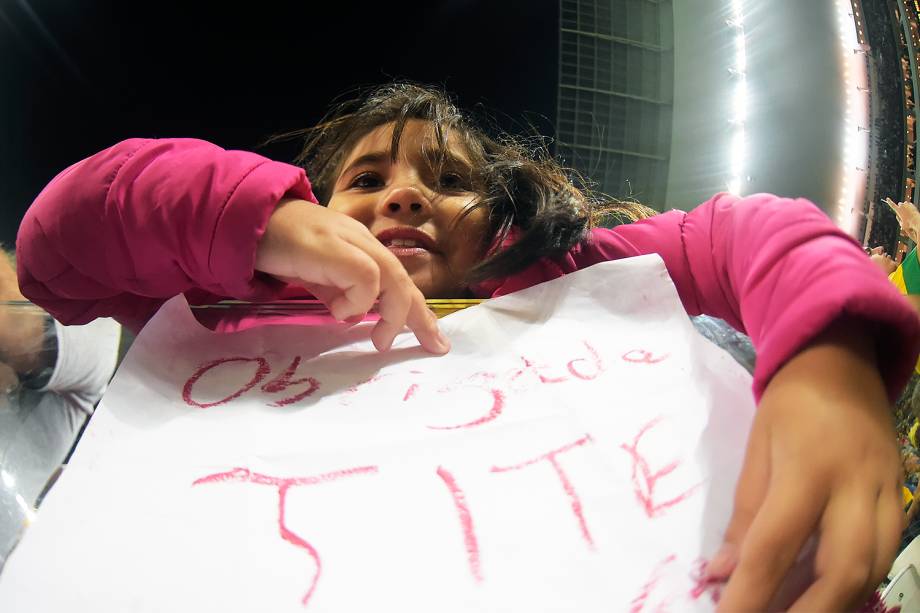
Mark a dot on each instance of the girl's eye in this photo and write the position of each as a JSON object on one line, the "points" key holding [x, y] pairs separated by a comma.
{"points": [[453, 181], [366, 180]]}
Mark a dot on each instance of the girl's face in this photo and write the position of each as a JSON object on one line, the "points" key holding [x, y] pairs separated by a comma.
{"points": [[413, 208]]}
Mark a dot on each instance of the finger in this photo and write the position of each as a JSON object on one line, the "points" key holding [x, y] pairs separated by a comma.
{"points": [[787, 517], [401, 303], [890, 523], [846, 552], [357, 277], [343, 277], [407, 308], [324, 293], [393, 308], [424, 324], [327, 295], [749, 496]]}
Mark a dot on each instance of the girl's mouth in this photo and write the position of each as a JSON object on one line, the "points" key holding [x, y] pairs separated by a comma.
{"points": [[406, 248], [406, 241]]}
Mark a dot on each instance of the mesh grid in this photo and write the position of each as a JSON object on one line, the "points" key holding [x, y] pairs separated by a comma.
{"points": [[615, 94]]}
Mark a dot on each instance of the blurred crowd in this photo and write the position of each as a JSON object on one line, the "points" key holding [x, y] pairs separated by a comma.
{"points": [[893, 101], [903, 269]]}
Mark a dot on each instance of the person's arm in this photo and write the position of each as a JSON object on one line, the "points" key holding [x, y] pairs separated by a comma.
{"points": [[118, 233], [775, 268], [908, 218], [836, 342], [821, 462], [85, 360], [44, 355], [24, 330]]}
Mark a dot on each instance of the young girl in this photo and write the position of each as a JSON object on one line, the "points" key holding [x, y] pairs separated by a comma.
{"points": [[416, 202]]}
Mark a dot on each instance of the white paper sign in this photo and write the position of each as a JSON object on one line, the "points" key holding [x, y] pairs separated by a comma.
{"points": [[576, 451]]}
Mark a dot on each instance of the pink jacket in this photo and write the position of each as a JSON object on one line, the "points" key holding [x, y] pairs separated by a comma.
{"points": [[122, 231]]}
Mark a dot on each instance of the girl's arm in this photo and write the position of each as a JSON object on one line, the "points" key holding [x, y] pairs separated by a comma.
{"points": [[775, 268], [835, 342], [821, 461], [120, 232]]}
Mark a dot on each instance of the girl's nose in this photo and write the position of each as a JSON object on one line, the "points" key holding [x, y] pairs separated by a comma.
{"points": [[406, 203]]}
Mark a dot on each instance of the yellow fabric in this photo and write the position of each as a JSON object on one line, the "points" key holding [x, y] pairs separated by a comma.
{"points": [[897, 277], [906, 496]]}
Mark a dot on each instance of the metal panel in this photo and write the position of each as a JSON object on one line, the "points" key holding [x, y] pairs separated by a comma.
{"points": [[616, 93]]}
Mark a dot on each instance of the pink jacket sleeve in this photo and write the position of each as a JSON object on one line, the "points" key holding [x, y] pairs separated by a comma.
{"points": [[777, 269], [118, 233]]}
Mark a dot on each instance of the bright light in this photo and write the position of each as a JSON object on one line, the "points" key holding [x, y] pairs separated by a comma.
{"points": [[740, 56], [737, 153], [737, 148], [26, 508], [736, 10], [740, 101], [8, 480], [855, 113]]}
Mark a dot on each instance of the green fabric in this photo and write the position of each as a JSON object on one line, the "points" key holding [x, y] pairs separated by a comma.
{"points": [[910, 269]]}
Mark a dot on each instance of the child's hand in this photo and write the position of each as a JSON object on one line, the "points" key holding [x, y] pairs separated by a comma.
{"points": [[341, 263], [822, 459]]}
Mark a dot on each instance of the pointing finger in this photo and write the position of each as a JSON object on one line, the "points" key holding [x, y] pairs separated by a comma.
{"points": [[424, 324], [401, 303]]}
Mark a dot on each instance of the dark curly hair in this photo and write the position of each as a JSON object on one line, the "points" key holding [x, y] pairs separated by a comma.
{"points": [[517, 180]]}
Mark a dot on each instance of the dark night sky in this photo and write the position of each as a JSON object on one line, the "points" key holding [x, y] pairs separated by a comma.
{"points": [[76, 77]]}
